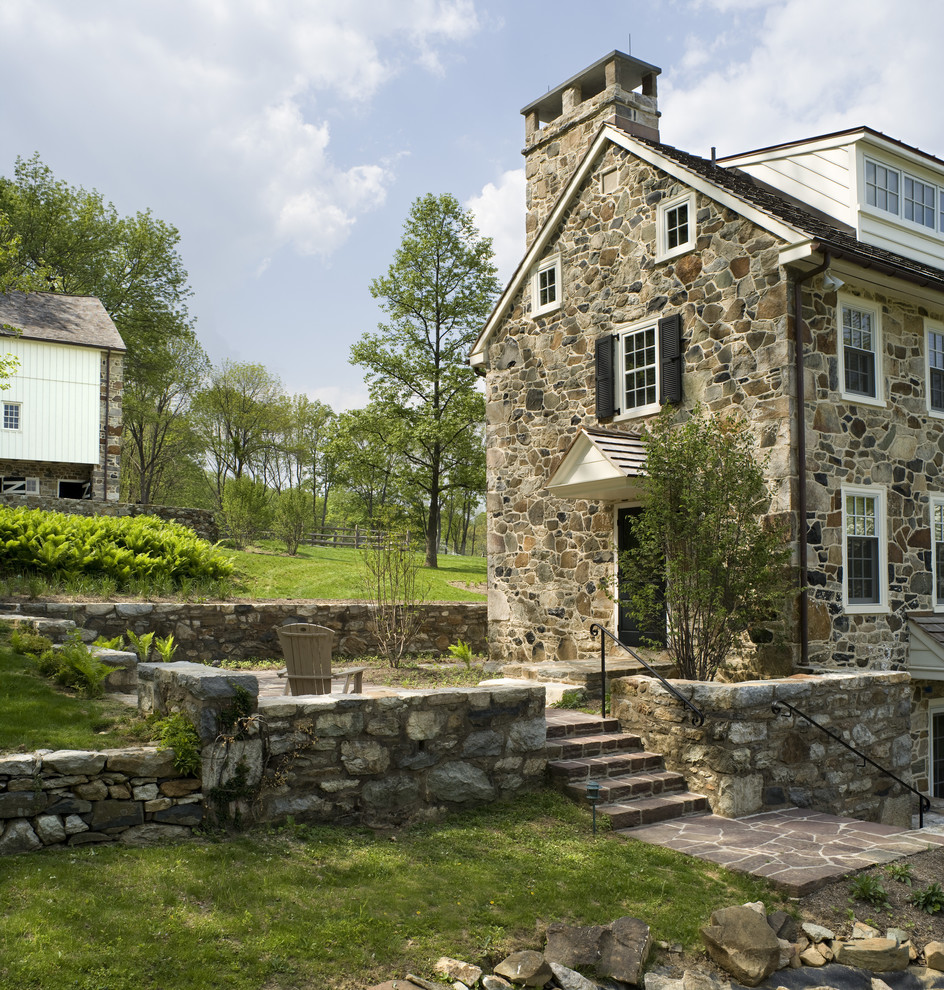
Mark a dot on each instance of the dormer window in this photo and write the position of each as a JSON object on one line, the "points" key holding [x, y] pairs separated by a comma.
{"points": [[919, 202], [546, 286], [675, 227], [904, 195], [881, 187]]}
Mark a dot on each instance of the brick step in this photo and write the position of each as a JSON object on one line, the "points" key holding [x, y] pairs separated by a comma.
{"points": [[603, 767], [622, 790], [626, 816], [578, 747], [561, 725]]}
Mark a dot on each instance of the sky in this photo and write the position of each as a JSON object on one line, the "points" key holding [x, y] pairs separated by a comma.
{"points": [[287, 139]]}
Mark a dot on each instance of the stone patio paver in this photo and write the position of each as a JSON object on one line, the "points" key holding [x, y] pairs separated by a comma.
{"points": [[799, 850]]}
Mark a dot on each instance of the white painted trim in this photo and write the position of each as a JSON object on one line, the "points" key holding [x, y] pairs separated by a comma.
{"points": [[4, 403], [876, 492], [875, 310], [619, 385], [936, 603], [930, 326], [553, 262], [663, 253]]}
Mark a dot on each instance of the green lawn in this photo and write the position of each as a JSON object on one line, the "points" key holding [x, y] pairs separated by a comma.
{"points": [[339, 907], [318, 572]]}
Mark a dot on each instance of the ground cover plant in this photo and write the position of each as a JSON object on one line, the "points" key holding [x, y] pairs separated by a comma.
{"points": [[127, 553], [336, 907]]}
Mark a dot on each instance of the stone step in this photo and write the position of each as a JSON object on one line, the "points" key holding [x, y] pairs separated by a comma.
{"points": [[626, 816], [562, 724], [578, 747], [629, 788], [603, 767]]}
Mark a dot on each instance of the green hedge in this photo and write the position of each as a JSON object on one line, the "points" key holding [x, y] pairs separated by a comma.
{"points": [[122, 549]]}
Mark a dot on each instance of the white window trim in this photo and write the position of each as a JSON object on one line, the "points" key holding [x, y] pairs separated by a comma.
{"points": [[536, 308], [31, 486], [663, 253], [877, 493], [19, 418], [899, 217], [930, 326], [937, 606], [619, 371], [856, 302]]}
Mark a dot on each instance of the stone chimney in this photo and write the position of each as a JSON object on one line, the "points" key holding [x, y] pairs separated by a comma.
{"points": [[560, 126]]}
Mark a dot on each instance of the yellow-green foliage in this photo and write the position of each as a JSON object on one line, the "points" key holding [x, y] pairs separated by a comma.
{"points": [[121, 549]]}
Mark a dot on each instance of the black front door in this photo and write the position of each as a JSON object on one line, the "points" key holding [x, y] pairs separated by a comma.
{"points": [[627, 629]]}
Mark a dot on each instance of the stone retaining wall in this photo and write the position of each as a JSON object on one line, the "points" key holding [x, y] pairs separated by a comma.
{"points": [[212, 632], [74, 797], [201, 521], [745, 759]]}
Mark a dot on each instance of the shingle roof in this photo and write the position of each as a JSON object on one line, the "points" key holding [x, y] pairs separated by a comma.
{"points": [[931, 625], [819, 227], [78, 320], [625, 450]]}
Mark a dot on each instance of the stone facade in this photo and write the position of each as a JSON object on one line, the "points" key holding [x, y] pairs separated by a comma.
{"points": [[201, 521], [746, 759], [926, 695], [208, 633], [75, 797]]}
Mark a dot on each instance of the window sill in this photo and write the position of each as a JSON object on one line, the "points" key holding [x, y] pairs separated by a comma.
{"points": [[545, 310], [866, 609], [639, 412], [675, 252], [864, 400]]}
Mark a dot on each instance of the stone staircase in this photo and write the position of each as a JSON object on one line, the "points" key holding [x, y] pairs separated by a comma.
{"points": [[635, 787]]}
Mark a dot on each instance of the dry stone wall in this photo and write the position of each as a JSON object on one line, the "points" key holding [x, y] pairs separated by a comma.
{"points": [[209, 633], [550, 559], [746, 759]]}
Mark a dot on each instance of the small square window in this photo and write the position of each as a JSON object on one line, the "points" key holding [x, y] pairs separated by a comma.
{"points": [[546, 287], [675, 227], [860, 358], [11, 415], [935, 345]]}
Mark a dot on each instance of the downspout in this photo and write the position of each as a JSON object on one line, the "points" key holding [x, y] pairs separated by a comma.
{"points": [[107, 407], [798, 331]]}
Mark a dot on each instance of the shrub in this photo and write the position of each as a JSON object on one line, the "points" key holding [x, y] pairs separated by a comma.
{"points": [[165, 647], [141, 644], [177, 732], [247, 511], [870, 890], [73, 666], [929, 899], [293, 514], [29, 643], [462, 651]]}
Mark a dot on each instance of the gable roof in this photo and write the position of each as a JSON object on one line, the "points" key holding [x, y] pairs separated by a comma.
{"points": [[600, 464], [926, 653], [61, 319], [763, 205]]}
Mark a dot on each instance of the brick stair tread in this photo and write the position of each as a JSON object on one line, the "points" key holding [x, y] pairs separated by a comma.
{"points": [[626, 815], [605, 766], [590, 726], [576, 746], [632, 787]]}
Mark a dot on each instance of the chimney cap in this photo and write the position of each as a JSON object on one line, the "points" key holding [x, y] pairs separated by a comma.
{"points": [[634, 71]]}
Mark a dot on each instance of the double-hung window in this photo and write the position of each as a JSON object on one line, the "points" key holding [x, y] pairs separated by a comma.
{"points": [[934, 341], [937, 551], [860, 361], [11, 415], [675, 226], [546, 286], [863, 549]]}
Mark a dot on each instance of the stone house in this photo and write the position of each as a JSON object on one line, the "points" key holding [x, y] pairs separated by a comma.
{"points": [[653, 276], [60, 432]]}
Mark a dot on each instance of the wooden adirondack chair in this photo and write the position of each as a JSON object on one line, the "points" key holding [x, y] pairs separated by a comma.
{"points": [[307, 651]]}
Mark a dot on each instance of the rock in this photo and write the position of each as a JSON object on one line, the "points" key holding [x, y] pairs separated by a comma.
{"points": [[811, 956], [619, 950], [94, 790], [396, 985], [181, 814], [113, 814], [878, 984], [816, 933], [572, 946], [73, 825], [142, 762], [17, 837], [49, 829], [741, 942], [787, 952], [898, 934], [527, 968], [458, 970], [862, 930], [490, 982], [145, 792], [181, 786], [880, 955], [757, 906], [460, 782], [696, 979], [23, 804], [153, 834], [934, 956], [15, 765], [570, 979], [782, 925], [423, 984], [68, 761]]}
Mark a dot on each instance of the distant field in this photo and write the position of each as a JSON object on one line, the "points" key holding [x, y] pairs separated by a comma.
{"points": [[337, 574]]}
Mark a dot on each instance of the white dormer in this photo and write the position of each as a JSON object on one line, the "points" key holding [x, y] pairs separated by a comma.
{"points": [[888, 194]]}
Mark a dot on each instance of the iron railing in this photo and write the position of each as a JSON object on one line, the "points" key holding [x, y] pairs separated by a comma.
{"points": [[924, 802], [698, 716]]}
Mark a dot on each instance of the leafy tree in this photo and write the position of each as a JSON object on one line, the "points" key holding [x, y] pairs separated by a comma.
{"points": [[437, 293], [292, 515], [247, 510], [15, 276], [704, 538]]}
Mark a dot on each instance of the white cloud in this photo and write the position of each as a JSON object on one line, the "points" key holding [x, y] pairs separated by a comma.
{"points": [[499, 213]]}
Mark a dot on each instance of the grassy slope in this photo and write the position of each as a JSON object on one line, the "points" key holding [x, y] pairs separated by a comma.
{"points": [[339, 908], [336, 574]]}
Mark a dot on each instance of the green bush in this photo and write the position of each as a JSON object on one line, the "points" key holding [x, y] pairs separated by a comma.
{"points": [[929, 899], [178, 733], [29, 643], [121, 550], [73, 666], [247, 510]]}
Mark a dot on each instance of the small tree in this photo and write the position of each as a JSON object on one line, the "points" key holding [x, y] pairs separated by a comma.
{"points": [[291, 518], [704, 542], [247, 511]]}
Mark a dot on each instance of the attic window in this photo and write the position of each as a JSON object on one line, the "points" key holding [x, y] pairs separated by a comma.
{"points": [[675, 226], [546, 286]]}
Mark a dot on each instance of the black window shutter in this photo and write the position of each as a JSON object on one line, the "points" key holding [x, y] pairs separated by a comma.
{"points": [[670, 359], [605, 377]]}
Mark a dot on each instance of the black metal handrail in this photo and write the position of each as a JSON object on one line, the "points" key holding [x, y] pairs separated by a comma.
{"points": [[698, 716], [924, 804]]}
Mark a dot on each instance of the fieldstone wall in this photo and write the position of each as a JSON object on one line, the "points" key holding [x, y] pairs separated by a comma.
{"points": [[924, 695], [550, 558], [214, 632], [201, 521], [74, 797], [745, 759], [106, 475]]}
